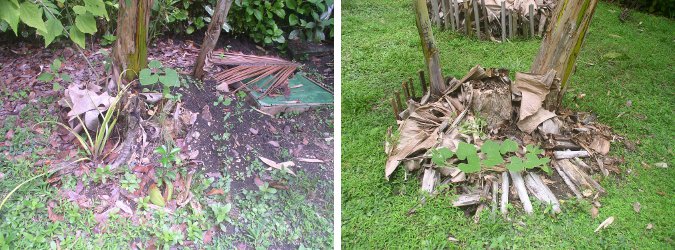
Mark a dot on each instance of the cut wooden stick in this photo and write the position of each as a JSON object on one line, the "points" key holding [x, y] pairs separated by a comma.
{"points": [[397, 98], [429, 180], [410, 80], [446, 17], [476, 18], [466, 200], [505, 193], [531, 19], [456, 12], [435, 12], [395, 108], [406, 91], [503, 16], [570, 154], [451, 14], [567, 181], [495, 189], [411, 88], [519, 184], [423, 81], [485, 18], [541, 191]]}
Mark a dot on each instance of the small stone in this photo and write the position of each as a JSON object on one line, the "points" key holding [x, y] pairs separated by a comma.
{"points": [[661, 165], [650, 226]]}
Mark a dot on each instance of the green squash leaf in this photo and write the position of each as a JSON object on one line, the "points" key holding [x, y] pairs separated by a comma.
{"points": [[154, 64], [170, 78], [31, 15], [508, 145], [491, 150], [86, 23], [146, 77], [516, 164], [440, 155], [469, 153]]}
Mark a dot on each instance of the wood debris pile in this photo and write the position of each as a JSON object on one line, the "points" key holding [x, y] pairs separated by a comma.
{"points": [[248, 69], [487, 107]]}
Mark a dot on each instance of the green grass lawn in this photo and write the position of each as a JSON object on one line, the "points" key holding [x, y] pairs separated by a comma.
{"points": [[381, 48]]}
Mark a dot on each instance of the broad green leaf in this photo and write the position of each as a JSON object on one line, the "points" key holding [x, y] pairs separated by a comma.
{"points": [[54, 29], [146, 77], [291, 4], [293, 20], [469, 153], [190, 30], [56, 86], [508, 145], [440, 155], [491, 150], [154, 64], [280, 13], [516, 164], [46, 77], [533, 149], [156, 196], [66, 78], [170, 78], [79, 9], [258, 14], [96, 7], [77, 36], [86, 23], [31, 15], [10, 13]]}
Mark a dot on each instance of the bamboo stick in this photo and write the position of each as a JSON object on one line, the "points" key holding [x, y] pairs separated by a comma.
{"points": [[476, 17], [411, 88], [423, 81], [567, 180], [486, 18], [505, 193], [395, 108], [456, 12], [446, 19], [519, 183], [398, 100], [503, 16], [434, 12], [531, 20], [451, 14], [406, 91]]}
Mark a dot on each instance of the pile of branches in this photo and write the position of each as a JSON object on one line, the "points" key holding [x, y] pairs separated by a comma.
{"points": [[489, 137], [519, 15]]}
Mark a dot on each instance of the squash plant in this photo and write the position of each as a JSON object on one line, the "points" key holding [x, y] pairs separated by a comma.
{"points": [[43, 16], [494, 155]]}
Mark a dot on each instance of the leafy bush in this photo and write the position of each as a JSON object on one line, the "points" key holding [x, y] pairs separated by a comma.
{"points": [[266, 22], [263, 21], [33, 14]]}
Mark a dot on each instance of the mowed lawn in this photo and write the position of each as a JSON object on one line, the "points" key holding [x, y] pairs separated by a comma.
{"points": [[620, 62]]}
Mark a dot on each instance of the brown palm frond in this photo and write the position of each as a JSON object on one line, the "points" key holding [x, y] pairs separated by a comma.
{"points": [[254, 68]]}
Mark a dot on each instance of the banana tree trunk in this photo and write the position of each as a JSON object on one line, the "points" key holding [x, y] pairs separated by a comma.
{"points": [[130, 53], [562, 43], [212, 34], [429, 47]]}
